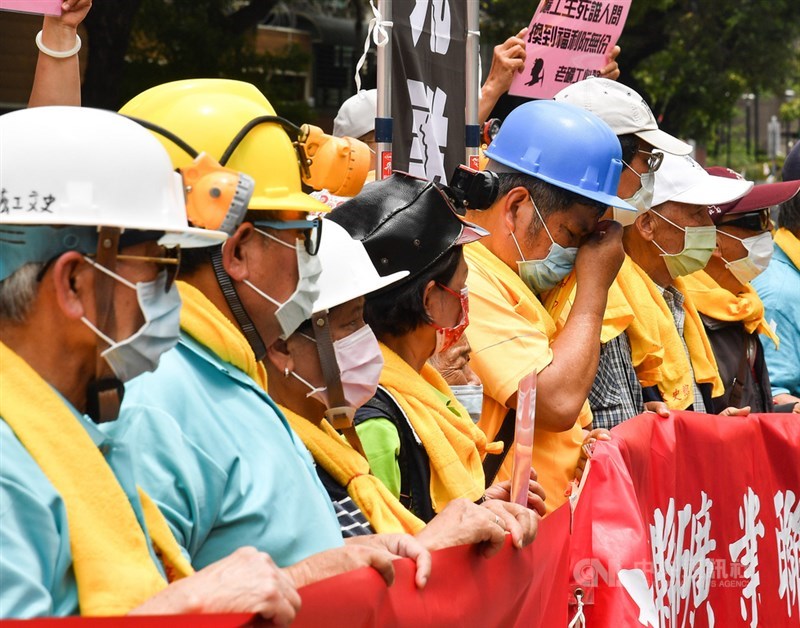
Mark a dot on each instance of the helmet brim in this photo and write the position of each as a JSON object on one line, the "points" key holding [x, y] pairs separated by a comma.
{"points": [[294, 201], [192, 238]]}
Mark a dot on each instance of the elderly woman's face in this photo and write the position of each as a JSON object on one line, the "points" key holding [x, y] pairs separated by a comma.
{"points": [[344, 320], [443, 306]]}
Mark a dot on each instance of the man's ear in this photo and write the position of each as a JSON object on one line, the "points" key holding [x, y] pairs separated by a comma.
{"points": [[645, 225], [511, 204], [73, 284], [235, 252], [279, 356]]}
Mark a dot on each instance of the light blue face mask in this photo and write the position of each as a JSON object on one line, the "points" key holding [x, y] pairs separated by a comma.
{"points": [[161, 330], [300, 305], [541, 275]]}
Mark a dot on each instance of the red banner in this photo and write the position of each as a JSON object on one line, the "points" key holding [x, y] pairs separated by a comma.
{"points": [[515, 588], [692, 521]]}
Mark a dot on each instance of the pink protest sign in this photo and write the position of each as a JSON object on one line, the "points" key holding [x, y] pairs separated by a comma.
{"points": [[46, 7], [567, 41], [523, 439]]}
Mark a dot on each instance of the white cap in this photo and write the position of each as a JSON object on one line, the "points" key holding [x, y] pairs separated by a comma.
{"points": [[682, 180], [347, 270], [356, 116], [623, 109]]}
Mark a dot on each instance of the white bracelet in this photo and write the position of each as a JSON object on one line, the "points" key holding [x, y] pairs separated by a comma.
{"points": [[58, 54]]}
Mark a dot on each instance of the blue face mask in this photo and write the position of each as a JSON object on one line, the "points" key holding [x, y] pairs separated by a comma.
{"points": [[161, 330], [541, 275]]}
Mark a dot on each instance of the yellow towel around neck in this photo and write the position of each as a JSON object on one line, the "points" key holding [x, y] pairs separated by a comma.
{"points": [[204, 322], [454, 444], [113, 567], [704, 363], [644, 337], [351, 470], [716, 302], [616, 318], [788, 244]]}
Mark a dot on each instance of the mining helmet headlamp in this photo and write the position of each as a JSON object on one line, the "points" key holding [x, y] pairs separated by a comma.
{"points": [[216, 197], [338, 164]]}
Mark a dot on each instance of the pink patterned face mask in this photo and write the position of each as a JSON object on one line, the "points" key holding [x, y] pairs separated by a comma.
{"points": [[446, 337]]}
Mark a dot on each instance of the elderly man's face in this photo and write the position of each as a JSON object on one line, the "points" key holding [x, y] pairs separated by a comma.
{"points": [[128, 317], [569, 228], [272, 268], [671, 238]]}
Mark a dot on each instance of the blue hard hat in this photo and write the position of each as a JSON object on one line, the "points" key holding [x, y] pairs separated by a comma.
{"points": [[563, 145]]}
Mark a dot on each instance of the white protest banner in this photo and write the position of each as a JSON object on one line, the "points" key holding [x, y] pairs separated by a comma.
{"points": [[567, 41], [46, 7]]}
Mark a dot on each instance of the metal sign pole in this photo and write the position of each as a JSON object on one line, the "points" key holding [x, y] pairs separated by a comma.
{"points": [[472, 129], [383, 120]]}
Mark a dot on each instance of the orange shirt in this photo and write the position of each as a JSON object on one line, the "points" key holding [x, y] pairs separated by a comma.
{"points": [[510, 333]]}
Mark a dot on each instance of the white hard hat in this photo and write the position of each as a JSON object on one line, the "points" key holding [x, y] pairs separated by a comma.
{"points": [[87, 167], [347, 270]]}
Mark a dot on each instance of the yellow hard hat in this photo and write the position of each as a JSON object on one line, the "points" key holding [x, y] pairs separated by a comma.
{"points": [[208, 114]]}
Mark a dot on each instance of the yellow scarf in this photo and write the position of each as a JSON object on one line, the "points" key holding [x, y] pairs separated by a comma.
{"points": [[789, 244], [454, 444], [653, 318], [384, 512], [203, 321], [113, 567], [720, 304], [616, 319]]}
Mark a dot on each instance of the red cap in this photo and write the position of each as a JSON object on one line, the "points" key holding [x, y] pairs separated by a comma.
{"points": [[761, 196]]}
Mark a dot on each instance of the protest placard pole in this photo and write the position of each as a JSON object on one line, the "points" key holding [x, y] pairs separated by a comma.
{"points": [[383, 119], [472, 128]]}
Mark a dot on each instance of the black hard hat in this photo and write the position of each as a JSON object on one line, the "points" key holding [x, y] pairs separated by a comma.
{"points": [[405, 223]]}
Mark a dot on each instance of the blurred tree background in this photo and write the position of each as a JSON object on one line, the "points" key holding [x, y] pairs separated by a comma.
{"points": [[693, 60]]}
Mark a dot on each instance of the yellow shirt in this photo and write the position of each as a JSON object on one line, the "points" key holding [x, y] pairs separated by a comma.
{"points": [[510, 333]]}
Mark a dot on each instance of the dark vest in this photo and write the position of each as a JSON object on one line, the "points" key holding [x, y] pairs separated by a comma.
{"points": [[415, 468], [740, 360]]}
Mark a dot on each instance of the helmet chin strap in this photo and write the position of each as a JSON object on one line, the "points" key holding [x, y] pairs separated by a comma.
{"points": [[104, 394], [340, 414], [235, 304]]}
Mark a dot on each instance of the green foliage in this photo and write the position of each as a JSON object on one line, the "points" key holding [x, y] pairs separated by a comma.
{"points": [[690, 59], [694, 58]]}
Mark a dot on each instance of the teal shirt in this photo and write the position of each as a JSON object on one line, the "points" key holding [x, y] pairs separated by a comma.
{"points": [[36, 575], [779, 289], [222, 463]]}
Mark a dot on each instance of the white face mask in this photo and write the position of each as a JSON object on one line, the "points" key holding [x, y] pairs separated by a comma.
{"points": [[759, 253], [642, 199], [471, 397], [360, 364], [140, 352], [298, 307]]}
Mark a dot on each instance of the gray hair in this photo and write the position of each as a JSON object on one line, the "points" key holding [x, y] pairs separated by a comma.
{"points": [[18, 290]]}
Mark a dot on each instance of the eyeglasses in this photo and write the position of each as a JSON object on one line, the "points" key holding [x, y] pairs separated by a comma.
{"points": [[170, 261], [752, 221], [654, 159], [311, 228]]}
